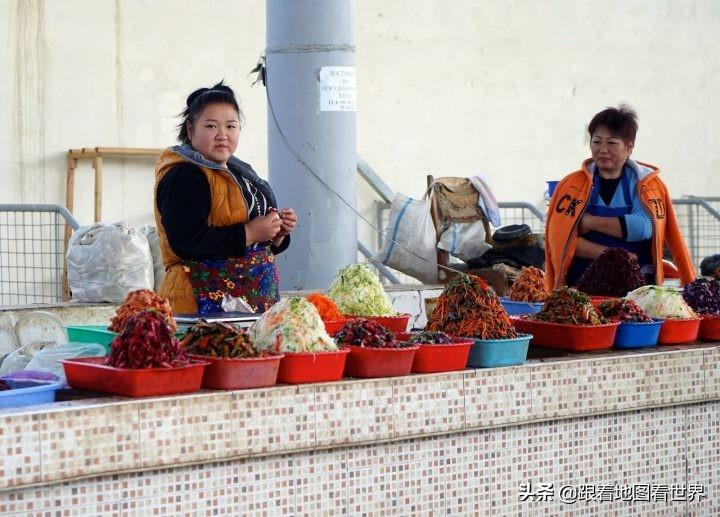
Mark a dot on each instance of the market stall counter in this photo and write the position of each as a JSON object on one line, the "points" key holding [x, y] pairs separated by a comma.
{"points": [[421, 442]]}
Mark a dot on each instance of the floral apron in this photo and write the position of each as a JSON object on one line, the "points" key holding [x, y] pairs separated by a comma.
{"points": [[253, 278]]}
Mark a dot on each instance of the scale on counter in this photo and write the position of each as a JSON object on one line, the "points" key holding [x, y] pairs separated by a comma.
{"points": [[243, 319]]}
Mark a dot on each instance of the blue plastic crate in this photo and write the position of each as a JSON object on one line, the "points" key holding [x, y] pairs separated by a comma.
{"points": [[29, 393], [491, 353], [637, 335], [514, 307]]}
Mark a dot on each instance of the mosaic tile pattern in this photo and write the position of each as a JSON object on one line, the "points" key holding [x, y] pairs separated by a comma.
{"points": [[321, 483], [562, 389], [620, 384], [279, 419], [477, 472], [94, 440], [19, 450], [426, 404], [674, 377], [497, 396], [711, 366], [180, 430], [357, 411], [703, 454]]}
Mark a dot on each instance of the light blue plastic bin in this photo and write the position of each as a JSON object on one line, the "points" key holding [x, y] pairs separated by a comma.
{"points": [[637, 335], [29, 393], [513, 307], [491, 353]]}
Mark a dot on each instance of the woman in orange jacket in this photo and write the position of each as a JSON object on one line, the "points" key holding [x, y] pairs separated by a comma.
{"points": [[218, 223], [612, 202]]}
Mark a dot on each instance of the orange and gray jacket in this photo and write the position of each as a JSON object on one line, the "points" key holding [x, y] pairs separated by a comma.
{"points": [[227, 207], [568, 204]]}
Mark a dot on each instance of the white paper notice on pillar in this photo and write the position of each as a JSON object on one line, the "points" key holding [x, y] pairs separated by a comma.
{"points": [[337, 88]]}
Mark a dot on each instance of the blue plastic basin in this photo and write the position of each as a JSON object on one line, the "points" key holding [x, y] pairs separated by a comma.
{"points": [[513, 307], [490, 353], [637, 335], [29, 393]]}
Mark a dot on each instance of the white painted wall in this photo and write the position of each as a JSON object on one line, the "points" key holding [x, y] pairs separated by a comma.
{"points": [[453, 88]]}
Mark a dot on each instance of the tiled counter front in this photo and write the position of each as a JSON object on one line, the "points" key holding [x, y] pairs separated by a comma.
{"points": [[49, 444], [476, 472]]}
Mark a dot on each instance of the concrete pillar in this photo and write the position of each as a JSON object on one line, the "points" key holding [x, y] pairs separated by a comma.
{"points": [[303, 38]]}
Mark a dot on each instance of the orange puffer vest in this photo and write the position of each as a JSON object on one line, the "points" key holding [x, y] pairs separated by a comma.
{"points": [[227, 207], [568, 204]]}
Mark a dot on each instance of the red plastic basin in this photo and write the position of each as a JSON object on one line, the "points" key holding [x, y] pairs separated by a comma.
{"points": [[398, 323], [91, 374], [709, 328], [379, 362], [332, 327], [675, 331], [450, 357], [239, 373], [576, 338], [302, 367]]}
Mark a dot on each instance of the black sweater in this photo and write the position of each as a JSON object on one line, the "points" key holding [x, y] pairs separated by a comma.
{"points": [[183, 200]]}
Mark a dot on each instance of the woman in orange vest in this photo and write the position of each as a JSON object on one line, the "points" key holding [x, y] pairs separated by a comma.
{"points": [[218, 224], [612, 201]]}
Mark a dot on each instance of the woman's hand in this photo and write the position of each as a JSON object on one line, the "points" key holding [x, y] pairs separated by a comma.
{"points": [[288, 220], [263, 228]]}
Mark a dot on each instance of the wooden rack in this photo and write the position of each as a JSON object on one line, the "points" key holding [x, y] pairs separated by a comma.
{"points": [[96, 154]]}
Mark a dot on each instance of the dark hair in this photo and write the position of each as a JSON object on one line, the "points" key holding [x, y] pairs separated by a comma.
{"points": [[621, 121], [198, 100]]}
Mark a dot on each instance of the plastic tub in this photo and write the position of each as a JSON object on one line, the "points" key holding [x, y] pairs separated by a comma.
{"points": [[398, 323], [632, 334], [302, 367], [239, 373], [369, 362], [449, 357], [91, 334], [676, 331], [515, 307], [576, 338], [709, 328], [332, 327], [28, 393], [491, 353], [91, 374]]}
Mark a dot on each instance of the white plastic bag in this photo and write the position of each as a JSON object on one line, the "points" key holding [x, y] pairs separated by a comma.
{"points": [[107, 261], [410, 228], [150, 232], [465, 241], [48, 359]]}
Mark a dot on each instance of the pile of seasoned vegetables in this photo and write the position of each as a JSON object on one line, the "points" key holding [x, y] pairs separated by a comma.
{"points": [[661, 302], [138, 301], [613, 273], [568, 306], [619, 309], [703, 295], [327, 308], [357, 291], [291, 325], [367, 333], [468, 307], [529, 286], [219, 339], [146, 341]]}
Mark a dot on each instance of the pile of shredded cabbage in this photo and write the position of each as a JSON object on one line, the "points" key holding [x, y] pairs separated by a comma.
{"points": [[291, 325], [357, 291], [661, 302]]}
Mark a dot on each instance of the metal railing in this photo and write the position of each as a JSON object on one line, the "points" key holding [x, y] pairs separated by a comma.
{"points": [[32, 253], [699, 223], [520, 212]]}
